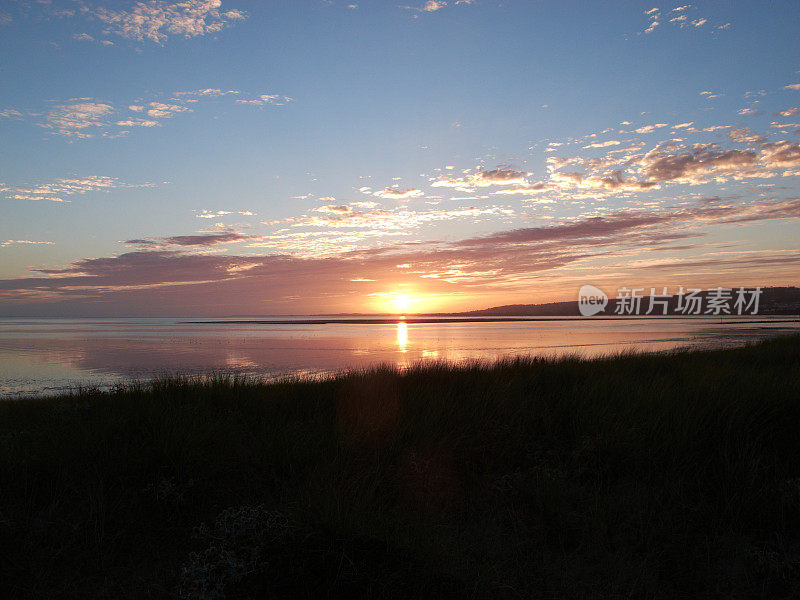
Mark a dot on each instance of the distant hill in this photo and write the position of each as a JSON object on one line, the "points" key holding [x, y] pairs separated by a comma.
{"points": [[773, 301]]}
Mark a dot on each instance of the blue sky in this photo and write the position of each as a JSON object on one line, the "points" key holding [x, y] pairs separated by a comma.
{"points": [[243, 157]]}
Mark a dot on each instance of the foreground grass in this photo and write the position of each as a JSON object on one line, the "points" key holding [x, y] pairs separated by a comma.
{"points": [[660, 476]]}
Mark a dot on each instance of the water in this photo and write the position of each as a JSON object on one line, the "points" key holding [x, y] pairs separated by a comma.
{"points": [[48, 356]]}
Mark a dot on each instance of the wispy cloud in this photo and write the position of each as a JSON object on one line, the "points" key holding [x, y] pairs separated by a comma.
{"points": [[535, 188], [11, 113], [428, 6], [431, 6], [216, 214], [4, 243], [265, 99], [60, 189], [85, 37], [192, 95], [398, 194], [84, 118]]}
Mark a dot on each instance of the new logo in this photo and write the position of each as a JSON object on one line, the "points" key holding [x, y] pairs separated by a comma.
{"points": [[591, 300]]}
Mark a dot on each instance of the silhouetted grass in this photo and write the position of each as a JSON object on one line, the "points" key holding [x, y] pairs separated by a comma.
{"points": [[654, 476]]}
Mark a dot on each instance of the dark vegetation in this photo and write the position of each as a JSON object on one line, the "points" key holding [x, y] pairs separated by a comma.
{"points": [[655, 476]]}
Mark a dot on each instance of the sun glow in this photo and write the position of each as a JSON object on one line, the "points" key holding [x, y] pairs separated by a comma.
{"points": [[402, 302]]}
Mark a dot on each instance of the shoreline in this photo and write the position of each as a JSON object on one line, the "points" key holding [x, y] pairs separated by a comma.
{"points": [[415, 320]]}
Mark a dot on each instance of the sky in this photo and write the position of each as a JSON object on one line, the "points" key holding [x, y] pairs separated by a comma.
{"points": [[243, 157]]}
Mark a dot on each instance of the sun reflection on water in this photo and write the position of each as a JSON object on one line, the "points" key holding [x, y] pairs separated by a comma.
{"points": [[402, 336]]}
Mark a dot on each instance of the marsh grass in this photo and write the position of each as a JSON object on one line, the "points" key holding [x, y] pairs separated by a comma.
{"points": [[636, 476]]}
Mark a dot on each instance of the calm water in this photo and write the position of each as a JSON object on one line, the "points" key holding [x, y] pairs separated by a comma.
{"points": [[46, 356]]}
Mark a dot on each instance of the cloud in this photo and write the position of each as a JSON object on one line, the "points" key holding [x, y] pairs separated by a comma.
{"points": [[205, 92], [209, 214], [4, 243], [11, 113], [743, 135], [331, 229], [603, 144], [265, 99], [393, 220], [612, 181], [138, 123], [789, 112], [85, 37], [536, 188], [616, 181], [631, 169], [82, 118], [429, 6], [398, 194], [697, 165], [651, 128], [781, 155], [677, 16], [703, 163], [792, 86], [654, 15], [483, 179], [336, 210], [76, 116], [200, 240], [156, 20], [626, 222], [57, 190], [159, 110], [784, 126], [163, 281]]}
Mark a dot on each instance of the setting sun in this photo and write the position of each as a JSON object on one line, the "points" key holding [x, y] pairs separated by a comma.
{"points": [[402, 302]]}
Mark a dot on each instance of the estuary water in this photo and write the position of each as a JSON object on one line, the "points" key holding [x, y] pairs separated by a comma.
{"points": [[49, 356]]}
